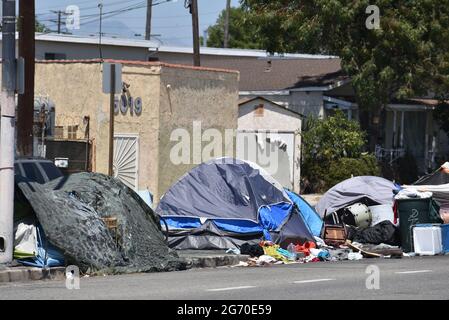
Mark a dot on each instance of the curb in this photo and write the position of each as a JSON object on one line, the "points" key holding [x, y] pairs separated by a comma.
{"points": [[23, 274], [214, 261]]}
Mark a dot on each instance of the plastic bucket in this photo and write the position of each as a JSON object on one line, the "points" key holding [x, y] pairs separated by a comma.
{"points": [[381, 213]]}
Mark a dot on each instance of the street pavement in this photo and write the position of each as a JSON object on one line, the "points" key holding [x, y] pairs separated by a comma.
{"points": [[406, 278]]}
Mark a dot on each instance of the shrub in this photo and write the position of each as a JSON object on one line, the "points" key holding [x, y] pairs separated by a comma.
{"points": [[332, 152]]}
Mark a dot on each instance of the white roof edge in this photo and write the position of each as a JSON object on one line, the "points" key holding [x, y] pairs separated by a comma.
{"points": [[265, 93], [339, 101], [243, 53], [150, 44]]}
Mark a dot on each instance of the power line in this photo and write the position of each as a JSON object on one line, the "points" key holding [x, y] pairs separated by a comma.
{"points": [[114, 13]]}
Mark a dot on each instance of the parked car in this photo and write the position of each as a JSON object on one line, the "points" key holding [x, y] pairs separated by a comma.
{"points": [[37, 169]]}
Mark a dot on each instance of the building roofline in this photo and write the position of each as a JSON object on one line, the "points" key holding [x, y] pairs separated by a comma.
{"points": [[272, 102], [139, 63], [111, 41], [153, 45], [108, 41], [242, 53]]}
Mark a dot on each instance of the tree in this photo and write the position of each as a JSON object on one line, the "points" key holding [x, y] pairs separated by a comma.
{"points": [[332, 152], [408, 56], [40, 27], [242, 31]]}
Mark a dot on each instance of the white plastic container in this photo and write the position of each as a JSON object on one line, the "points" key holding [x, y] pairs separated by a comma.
{"points": [[381, 213], [427, 239]]}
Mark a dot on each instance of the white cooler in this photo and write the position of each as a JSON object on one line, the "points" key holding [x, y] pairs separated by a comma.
{"points": [[427, 239]]}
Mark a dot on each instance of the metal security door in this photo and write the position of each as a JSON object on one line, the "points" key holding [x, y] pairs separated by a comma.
{"points": [[126, 155]]}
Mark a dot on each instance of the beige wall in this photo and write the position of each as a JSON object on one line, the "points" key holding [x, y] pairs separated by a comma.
{"points": [[189, 95], [76, 90], [144, 82]]}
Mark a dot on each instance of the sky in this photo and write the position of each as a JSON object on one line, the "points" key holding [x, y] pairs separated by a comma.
{"points": [[171, 22]]}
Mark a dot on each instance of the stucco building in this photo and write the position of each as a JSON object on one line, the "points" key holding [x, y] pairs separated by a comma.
{"points": [[159, 99]]}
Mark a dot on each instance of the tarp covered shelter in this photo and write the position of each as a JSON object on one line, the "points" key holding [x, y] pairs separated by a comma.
{"points": [[369, 189], [225, 202], [73, 212]]}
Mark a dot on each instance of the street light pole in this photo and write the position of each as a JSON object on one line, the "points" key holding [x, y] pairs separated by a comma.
{"points": [[7, 128]]}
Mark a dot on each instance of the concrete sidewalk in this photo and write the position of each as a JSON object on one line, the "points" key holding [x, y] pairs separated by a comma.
{"points": [[195, 259]]}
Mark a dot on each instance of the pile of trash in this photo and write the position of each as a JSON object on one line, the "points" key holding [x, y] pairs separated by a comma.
{"points": [[268, 253], [100, 225]]}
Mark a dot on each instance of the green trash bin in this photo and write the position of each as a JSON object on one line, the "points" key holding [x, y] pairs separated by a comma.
{"points": [[412, 212]]}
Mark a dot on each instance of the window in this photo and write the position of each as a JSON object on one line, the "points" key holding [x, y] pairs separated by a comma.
{"points": [[59, 132], [258, 110], [32, 172], [71, 132], [55, 56], [50, 170]]}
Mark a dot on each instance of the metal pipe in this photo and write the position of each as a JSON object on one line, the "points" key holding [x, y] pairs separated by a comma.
{"points": [[7, 128], [111, 121]]}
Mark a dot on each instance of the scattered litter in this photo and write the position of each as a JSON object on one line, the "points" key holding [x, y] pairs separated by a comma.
{"points": [[355, 256], [233, 250], [265, 259], [241, 264]]}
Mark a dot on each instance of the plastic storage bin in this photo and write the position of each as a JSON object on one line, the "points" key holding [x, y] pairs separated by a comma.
{"points": [[427, 239], [412, 212], [445, 237]]}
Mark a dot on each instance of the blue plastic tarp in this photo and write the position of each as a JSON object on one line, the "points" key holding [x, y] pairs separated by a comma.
{"points": [[310, 216], [47, 255]]}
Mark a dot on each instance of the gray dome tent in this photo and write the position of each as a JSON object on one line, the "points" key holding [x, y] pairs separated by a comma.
{"points": [[225, 202], [374, 189]]}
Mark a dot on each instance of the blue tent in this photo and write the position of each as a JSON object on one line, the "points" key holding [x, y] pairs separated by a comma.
{"points": [[47, 255], [226, 202]]}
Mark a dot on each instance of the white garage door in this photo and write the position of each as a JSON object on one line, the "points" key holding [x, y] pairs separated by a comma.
{"points": [[126, 153]]}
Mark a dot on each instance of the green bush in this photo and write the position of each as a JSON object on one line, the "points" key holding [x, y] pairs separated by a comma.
{"points": [[332, 152]]}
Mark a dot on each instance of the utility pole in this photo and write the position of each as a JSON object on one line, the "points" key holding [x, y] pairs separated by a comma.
{"points": [[148, 25], [226, 24], [25, 108], [100, 6], [193, 6], [7, 128], [59, 20]]}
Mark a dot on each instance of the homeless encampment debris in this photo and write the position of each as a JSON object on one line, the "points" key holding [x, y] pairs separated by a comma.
{"points": [[99, 224], [225, 202], [363, 189], [437, 183]]}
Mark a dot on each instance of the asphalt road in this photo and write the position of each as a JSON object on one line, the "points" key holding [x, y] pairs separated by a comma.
{"points": [[407, 278]]}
